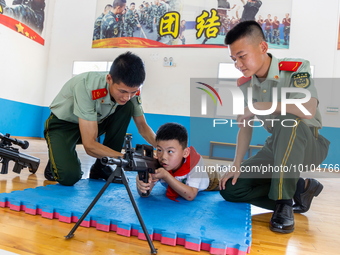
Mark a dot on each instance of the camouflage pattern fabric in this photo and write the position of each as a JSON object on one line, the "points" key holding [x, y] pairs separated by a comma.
{"points": [[97, 27], [110, 26], [31, 13], [130, 23]]}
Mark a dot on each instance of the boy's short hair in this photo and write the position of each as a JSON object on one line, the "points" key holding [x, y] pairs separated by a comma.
{"points": [[129, 69], [248, 28], [173, 131]]}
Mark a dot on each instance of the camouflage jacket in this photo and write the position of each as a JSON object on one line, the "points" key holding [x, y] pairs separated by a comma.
{"points": [[110, 26], [130, 19], [97, 27], [149, 12]]}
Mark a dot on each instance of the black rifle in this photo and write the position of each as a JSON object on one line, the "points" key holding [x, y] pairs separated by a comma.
{"points": [[140, 160], [7, 153]]}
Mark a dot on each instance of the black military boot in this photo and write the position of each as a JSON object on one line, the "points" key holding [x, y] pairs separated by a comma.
{"points": [[282, 220], [48, 172], [303, 197]]}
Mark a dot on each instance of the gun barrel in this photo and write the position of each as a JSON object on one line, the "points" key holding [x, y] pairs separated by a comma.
{"points": [[114, 161]]}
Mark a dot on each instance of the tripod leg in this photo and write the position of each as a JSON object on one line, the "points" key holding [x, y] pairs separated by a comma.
{"points": [[139, 216], [109, 180]]}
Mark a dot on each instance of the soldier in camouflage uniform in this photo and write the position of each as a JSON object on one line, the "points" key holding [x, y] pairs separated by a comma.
{"points": [[149, 17], [159, 11], [98, 22], [286, 30], [112, 23], [276, 31], [130, 21], [120, 18], [29, 12], [142, 14]]}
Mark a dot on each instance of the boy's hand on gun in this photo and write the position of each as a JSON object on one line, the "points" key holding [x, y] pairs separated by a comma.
{"points": [[160, 173], [143, 187]]}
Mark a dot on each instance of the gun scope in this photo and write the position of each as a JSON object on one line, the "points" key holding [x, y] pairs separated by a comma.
{"points": [[23, 144]]}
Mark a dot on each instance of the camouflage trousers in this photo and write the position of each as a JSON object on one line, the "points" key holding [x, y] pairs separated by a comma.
{"points": [[128, 30]]}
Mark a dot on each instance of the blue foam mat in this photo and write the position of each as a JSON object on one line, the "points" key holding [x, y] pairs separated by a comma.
{"points": [[208, 222]]}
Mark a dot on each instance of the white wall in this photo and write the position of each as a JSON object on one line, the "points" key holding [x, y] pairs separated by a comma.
{"points": [[166, 91]]}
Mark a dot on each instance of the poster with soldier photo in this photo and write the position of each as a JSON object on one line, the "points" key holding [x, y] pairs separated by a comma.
{"points": [[186, 23], [25, 17]]}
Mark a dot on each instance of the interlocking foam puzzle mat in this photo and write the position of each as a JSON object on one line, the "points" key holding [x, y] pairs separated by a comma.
{"points": [[207, 223]]}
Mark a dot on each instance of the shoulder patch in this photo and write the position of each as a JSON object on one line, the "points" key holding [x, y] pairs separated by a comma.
{"points": [[301, 80], [243, 80], [290, 66], [139, 100], [99, 93]]}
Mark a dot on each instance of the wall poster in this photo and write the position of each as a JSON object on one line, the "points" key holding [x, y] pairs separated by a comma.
{"points": [[187, 23]]}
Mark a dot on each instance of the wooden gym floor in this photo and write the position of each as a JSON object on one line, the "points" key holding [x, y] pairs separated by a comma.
{"points": [[316, 232]]}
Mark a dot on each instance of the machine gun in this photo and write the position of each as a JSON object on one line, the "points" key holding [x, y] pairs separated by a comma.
{"points": [[140, 159], [7, 153]]}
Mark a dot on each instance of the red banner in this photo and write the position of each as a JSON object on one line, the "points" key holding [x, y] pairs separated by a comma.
{"points": [[128, 42]]}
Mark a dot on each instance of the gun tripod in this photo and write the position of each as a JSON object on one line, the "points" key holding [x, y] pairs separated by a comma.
{"points": [[118, 172]]}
